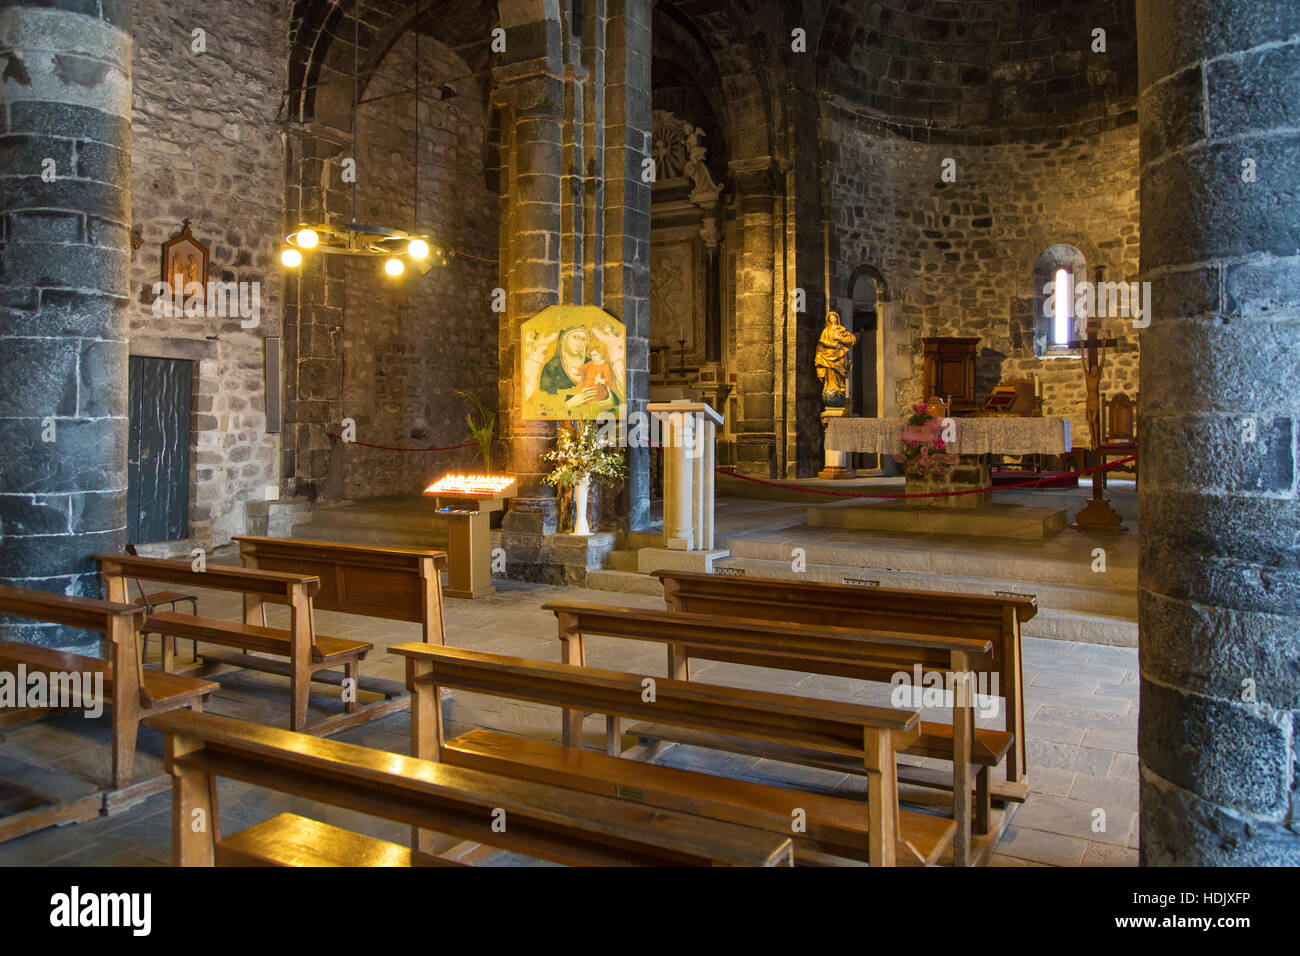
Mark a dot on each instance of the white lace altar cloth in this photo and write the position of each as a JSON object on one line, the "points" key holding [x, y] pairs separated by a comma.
{"points": [[975, 436]]}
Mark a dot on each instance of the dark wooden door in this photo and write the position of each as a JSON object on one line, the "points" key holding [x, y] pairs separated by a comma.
{"points": [[865, 403], [158, 450]]}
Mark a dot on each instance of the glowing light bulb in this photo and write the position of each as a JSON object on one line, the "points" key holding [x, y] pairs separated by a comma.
{"points": [[394, 267], [291, 258], [417, 249], [308, 239]]}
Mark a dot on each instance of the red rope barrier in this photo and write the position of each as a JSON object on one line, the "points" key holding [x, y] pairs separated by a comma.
{"points": [[930, 494], [339, 438]]}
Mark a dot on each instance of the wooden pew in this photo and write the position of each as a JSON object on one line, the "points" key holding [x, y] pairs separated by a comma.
{"points": [[539, 820], [399, 584], [867, 735], [843, 652], [997, 618], [130, 689], [310, 655]]}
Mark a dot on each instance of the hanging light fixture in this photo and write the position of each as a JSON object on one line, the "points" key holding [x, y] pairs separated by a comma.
{"points": [[358, 239]]}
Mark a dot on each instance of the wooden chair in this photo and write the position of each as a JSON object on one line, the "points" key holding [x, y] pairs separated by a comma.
{"points": [[842, 652], [996, 618], [132, 690], [1118, 430], [398, 584], [1025, 404], [868, 736], [539, 820], [310, 655], [151, 602], [938, 407]]}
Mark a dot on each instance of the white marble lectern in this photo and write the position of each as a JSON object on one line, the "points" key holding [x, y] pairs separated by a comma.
{"points": [[687, 432]]}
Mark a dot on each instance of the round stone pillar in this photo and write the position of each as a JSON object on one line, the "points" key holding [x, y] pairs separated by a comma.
{"points": [[1219, 573], [64, 266]]}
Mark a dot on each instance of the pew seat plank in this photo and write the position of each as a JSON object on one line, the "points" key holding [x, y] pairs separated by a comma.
{"points": [[252, 637], [163, 690], [810, 757], [834, 824], [291, 840], [562, 825]]}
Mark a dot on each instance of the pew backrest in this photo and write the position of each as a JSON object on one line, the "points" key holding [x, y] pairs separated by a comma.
{"points": [[864, 654], [399, 584], [774, 718], [997, 618]]}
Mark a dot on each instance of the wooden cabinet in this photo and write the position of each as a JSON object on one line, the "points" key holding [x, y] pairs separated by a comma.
{"points": [[950, 371]]}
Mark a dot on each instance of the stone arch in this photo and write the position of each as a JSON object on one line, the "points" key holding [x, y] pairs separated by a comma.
{"points": [[319, 103], [868, 270]]}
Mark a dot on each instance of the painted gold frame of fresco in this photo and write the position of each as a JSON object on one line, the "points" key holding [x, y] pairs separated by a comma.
{"points": [[573, 364]]}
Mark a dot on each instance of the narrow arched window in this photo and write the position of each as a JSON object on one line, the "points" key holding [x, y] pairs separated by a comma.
{"points": [[1056, 273]]}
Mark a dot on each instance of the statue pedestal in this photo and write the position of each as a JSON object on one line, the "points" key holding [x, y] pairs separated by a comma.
{"points": [[837, 462]]}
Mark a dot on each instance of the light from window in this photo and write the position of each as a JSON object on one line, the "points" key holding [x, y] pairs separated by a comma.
{"points": [[1063, 300]]}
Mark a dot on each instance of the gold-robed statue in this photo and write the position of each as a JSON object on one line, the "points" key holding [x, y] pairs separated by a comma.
{"points": [[834, 361]]}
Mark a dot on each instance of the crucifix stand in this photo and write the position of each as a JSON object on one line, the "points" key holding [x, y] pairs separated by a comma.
{"points": [[1097, 515]]}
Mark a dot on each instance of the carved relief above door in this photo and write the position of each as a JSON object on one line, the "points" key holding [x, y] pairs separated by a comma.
{"points": [[676, 307]]}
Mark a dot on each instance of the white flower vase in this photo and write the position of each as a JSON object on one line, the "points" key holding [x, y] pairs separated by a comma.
{"points": [[580, 525]]}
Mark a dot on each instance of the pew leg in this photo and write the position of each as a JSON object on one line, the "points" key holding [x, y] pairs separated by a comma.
{"points": [[983, 808], [194, 818], [126, 724], [882, 798], [426, 731], [301, 687], [125, 729], [351, 675], [613, 735], [168, 653]]}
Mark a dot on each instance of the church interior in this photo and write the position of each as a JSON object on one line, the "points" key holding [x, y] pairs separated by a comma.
{"points": [[650, 432]]}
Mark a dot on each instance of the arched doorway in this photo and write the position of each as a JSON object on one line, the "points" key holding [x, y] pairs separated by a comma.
{"points": [[868, 293]]}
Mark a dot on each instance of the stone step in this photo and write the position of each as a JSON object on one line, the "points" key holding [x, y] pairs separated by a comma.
{"points": [[400, 519], [1085, 628], [627, 582], [636, 540], [622, 560], [989, 520], [1020, 566], [1075, 598], [377, 535]]}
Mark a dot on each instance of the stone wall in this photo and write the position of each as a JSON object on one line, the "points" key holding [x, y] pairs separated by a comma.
{"points": [[959, 257], [207, 146], [409, 344]]}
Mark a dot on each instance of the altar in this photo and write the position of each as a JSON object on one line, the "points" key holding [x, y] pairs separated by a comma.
{"points": [[973, 440]]}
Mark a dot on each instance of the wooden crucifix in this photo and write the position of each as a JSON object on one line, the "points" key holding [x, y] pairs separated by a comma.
{"points": [[1094, 360], [1098, 514]]}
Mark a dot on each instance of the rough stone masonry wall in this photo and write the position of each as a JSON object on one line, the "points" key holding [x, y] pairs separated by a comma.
{"points": [[959, 257], [207, 146], [408, 345]]}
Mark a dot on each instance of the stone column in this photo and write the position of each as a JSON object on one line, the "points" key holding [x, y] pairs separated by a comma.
{"points": [[626, 215], [529, 91], [64, 287], [755, 350], [1219, 573]]}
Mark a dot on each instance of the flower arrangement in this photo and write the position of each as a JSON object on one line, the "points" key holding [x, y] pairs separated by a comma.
{"points": [[581, 452], [924, 451]]}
